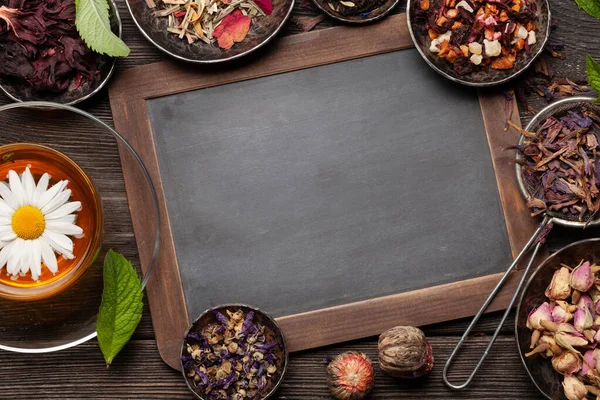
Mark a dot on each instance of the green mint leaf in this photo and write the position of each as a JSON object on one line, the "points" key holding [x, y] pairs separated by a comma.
{"points": [[593, 74], [92, 20], [121, 308], [592, 7]]}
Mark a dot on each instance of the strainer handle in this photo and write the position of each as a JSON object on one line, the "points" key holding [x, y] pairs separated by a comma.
{"points": [[533, 241]]}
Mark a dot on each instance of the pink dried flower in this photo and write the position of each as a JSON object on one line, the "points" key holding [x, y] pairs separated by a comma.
{"points": [[589, 362], [574, 388], [542, 313], [560, 315], [559, 288], [567, 363], [583, 319], [582, 277]]}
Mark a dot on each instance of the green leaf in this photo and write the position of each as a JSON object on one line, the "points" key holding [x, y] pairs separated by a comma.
{"points": [[593, 74], [93, 24], [121, 308], [592, 7]]}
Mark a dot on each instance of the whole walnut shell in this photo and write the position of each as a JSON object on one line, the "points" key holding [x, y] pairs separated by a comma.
{"points": [[404, 352]]}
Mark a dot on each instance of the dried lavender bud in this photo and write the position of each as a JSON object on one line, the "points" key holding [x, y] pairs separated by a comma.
{"points": [[404, 352], [350, 376]]}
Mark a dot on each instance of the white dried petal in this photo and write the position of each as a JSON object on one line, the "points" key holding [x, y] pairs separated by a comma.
{"points": [[521, 32], [531, 38]]}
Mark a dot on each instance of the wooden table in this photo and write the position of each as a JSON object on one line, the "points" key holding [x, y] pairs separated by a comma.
{"points": [[139, 373]]}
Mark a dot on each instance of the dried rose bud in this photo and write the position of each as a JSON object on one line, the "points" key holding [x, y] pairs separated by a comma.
{"points": [[569, 340], [542, 313], [585, 301], [582, 319], [350, 376], [559, 288], [404, 352], [589, 362], [582, 277], [574, 388], [594, 293], [567, 363], [547, 346], [589, 334], [560, 315], [597, 337]]}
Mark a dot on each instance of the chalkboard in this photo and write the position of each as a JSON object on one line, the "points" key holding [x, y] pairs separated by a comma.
{"points": [[333, 177], [328, 185]]}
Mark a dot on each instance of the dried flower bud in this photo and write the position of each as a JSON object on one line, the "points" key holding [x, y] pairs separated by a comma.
{"points": [[404, 352], [559, 288], [560, 315], [597, 337], [567, 363], [594, 293], [583, 319], [569, 340], [589, 362], [574, 388], [585, 301], [582, 277], [589, 334], [350, 376], [542, 313]]}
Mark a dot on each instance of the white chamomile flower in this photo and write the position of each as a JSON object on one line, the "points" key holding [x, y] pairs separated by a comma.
{"points": [[35, 222]]}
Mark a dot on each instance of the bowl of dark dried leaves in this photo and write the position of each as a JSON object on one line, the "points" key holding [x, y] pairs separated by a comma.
{"points": [[43, 56], [234, 352], [479, 42]]}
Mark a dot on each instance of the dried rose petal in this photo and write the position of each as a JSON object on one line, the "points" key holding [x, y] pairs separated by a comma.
{"points": [[570, 340], [542, 313], [582, 277], [582, 319], [560, 315], [559, 288], [233, 29], [574, 388], [567, 363], [589, 362], [264, 5]]}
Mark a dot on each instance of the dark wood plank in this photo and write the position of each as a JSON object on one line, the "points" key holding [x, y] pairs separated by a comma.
{"points": [[139, 373]]}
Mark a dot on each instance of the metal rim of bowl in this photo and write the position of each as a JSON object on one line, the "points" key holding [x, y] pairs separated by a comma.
{"points": [[522, 295], [337, 17], [478, 84], [104, 81], [253, 308], [191, 61], [118, 137], [536, 119]]}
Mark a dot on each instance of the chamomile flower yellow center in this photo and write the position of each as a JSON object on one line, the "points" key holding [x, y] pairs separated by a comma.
{"points": [[28, 222]]}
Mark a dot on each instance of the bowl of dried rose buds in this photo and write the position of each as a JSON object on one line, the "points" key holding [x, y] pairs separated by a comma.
{"points": [[558, 323], [479, 42], [234, 352]]}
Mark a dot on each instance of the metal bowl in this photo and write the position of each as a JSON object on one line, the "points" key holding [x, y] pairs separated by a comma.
{"points": [[487, 77], [155, 30], [539, 369], [17, 91], [374, 14], [208, 318]]}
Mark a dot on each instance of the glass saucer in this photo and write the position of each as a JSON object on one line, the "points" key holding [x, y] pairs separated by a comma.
{"points": [[68, 318]]}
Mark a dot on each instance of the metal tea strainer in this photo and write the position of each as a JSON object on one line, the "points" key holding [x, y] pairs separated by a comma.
{"points": [[557, 109]]}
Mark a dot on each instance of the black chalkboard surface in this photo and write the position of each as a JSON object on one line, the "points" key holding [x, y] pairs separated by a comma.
{"points": [[328, 185], [332, 177]]}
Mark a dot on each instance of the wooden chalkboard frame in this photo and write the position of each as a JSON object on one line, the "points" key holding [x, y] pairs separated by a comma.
{"points": [[128, 98]]}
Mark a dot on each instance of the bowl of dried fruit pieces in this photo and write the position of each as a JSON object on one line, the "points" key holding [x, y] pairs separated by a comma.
{"points": [[558, 323], [234, 352], [479, 42], [209, 31]]}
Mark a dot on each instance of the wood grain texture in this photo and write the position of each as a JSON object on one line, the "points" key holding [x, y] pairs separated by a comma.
{"points": [[139, 373], [128, 95], [80, 373]]}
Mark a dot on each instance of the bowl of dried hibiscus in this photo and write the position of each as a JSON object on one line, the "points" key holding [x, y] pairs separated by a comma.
{"points": [[234, 351], [479, 42], [59, 51]]}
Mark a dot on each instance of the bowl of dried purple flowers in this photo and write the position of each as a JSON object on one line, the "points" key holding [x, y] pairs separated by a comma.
{"points": [[43, 56], [479, 42], [234, 352]]}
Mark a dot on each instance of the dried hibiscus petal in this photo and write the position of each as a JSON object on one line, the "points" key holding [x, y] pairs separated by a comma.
{"points": [[265, 5], [233, 29]]}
